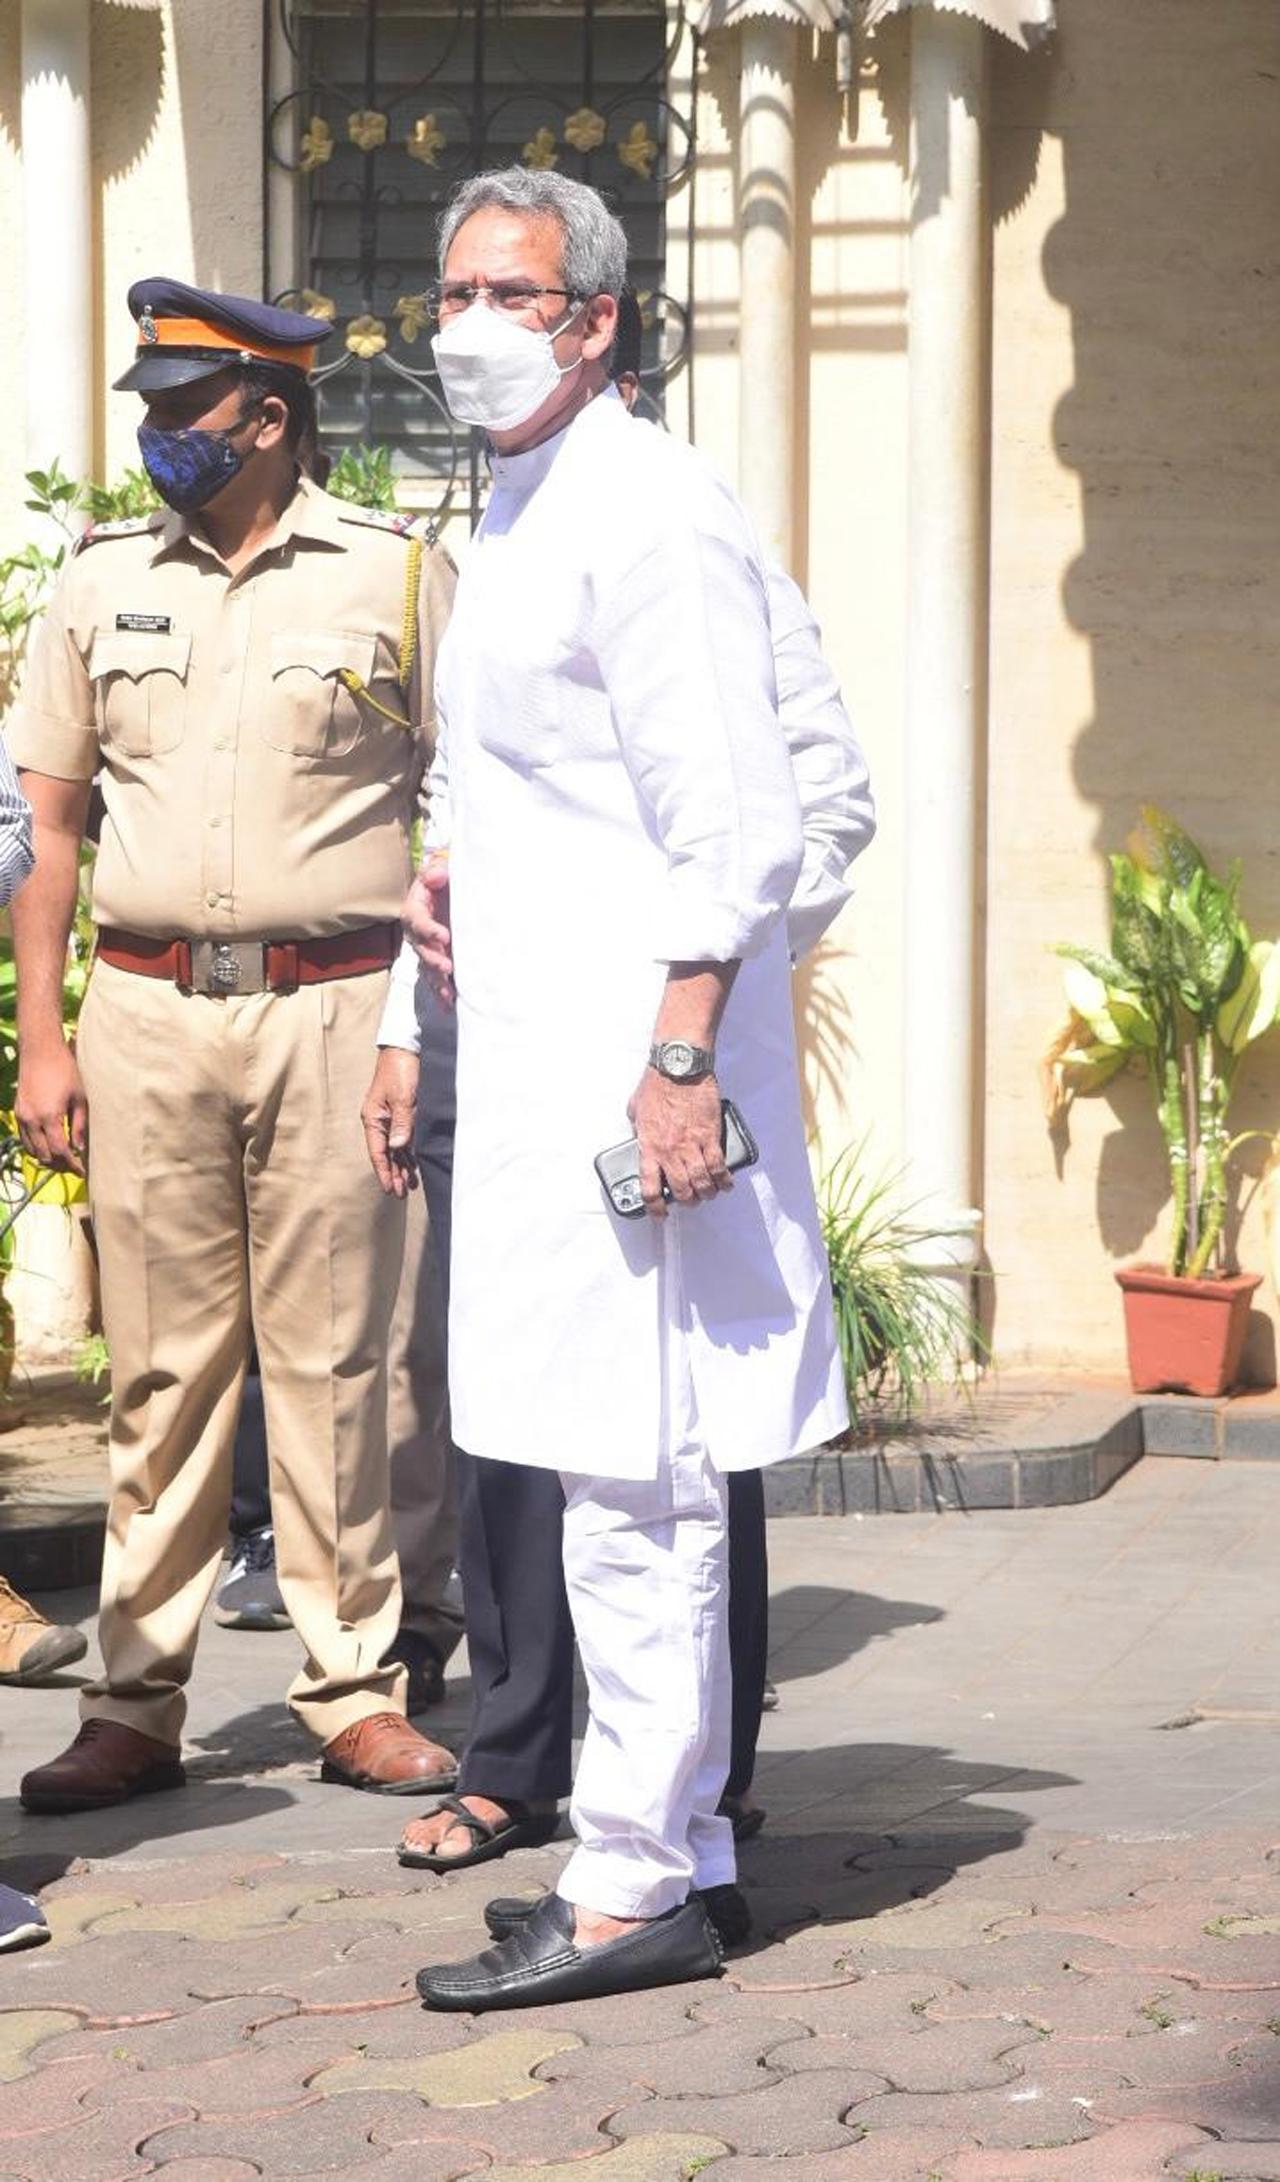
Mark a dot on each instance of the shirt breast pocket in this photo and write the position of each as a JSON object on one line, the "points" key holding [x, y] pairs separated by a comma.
{"points": [[312, 710], [140, 690]]}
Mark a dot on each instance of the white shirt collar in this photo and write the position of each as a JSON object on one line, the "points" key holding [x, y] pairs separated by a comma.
{"points": [[521, 472]]}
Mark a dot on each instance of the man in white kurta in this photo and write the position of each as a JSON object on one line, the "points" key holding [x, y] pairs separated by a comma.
{"points": [[624, 838]]}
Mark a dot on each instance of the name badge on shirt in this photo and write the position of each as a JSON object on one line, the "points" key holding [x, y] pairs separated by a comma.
{"points": [[148, 624]]}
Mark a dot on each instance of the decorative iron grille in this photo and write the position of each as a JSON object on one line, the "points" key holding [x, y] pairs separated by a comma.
{"points": [[375, 109]]}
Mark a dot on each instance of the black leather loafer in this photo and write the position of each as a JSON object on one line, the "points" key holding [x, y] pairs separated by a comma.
{"points": [[538, 1962], [726, 1906]]}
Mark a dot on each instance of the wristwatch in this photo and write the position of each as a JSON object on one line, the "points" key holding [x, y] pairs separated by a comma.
{"points": [[681, 1062]]}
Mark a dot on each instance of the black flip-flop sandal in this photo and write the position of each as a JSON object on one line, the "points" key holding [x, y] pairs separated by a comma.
{"points": [[523, 1829]]}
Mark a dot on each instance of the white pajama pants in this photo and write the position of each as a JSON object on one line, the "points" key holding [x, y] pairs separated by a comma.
{"points": [[646, 1569]]}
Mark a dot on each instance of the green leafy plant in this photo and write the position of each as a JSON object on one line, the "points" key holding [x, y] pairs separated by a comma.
{"points": [[92, 1360], [1184, 992], [28, 576], [901, 1329], [363, 474]]}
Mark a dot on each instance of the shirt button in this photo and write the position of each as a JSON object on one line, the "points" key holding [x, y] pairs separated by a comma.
{"points": [[211, 901]]}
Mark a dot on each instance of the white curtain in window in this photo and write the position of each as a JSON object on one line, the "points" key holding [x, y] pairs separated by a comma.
{"points": [[1027, 22]]}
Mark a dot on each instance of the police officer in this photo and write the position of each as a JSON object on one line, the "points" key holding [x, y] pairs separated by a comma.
{"points": [[252, 672]]}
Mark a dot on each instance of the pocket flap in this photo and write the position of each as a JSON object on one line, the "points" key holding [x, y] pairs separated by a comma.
{"points": [[136, 652], [330, 653]]}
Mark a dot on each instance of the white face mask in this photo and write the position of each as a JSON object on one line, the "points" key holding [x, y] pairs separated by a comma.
{"points": [[496, 372]]}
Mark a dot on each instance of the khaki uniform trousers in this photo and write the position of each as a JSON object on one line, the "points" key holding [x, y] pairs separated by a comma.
{"points": [[228, 1177]]}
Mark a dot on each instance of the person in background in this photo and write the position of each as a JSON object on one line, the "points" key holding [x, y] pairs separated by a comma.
{"points": [[31, 1647], [252, 671], [16, 856]]}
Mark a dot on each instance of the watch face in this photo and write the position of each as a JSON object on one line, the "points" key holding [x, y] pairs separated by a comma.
{"points": [[678, 1058]]}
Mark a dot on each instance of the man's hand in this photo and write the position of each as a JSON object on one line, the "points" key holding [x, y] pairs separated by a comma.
{"points": [[52, 1110], [387, 1115], [425, 917], [678, 1128]]}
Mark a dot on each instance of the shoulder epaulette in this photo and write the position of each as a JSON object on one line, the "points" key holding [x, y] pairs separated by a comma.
{"points": [[392, 519], [127, 527]]}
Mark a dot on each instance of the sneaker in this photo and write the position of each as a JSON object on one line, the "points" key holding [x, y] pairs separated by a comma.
{"points": [[249, 1596], [32, 1646], [22, 1921]]}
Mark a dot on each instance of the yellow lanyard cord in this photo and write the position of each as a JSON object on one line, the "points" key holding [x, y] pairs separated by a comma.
{"points": [[409, 622], [353, 682]]}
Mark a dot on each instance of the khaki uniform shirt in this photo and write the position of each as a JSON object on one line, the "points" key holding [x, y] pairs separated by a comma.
{"points": [[249, 794]]}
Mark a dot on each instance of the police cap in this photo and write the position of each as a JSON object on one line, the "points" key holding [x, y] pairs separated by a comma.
{"points": [[189, 333]]}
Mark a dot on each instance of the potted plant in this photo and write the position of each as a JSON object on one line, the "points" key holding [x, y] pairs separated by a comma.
{"points": [[1184, 991]]}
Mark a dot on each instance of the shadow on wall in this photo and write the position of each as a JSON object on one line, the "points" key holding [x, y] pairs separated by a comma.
{"points": [[824, 1033], [128, 72], [1166, 258]]}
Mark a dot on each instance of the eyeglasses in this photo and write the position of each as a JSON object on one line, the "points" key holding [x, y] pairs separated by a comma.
{"points": [[509, 296]]}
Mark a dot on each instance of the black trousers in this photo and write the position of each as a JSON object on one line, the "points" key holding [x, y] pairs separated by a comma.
{"points": [[250, 1491]]}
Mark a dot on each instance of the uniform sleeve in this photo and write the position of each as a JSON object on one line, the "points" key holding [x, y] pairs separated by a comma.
{"points": [[52, 727], [683, 650], [399, 1025], [16, 858], [837, 810], [435, 604]]}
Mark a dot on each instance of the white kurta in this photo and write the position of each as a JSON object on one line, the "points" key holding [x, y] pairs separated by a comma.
{"points": [[620, 797]]}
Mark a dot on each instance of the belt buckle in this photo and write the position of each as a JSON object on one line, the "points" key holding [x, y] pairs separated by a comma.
{"points": [[224, 967]]}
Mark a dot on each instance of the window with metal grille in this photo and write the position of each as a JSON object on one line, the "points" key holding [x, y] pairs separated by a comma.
{"points": [[377, 108]]}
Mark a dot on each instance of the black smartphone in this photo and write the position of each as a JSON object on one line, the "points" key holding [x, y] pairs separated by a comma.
{"points": [[619, 1167]]}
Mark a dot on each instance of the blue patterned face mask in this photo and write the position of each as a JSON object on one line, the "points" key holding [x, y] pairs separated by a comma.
{"points": [[188, 468]]}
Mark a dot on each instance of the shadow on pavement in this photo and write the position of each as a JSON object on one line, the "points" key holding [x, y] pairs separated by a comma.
{"points": [[862, 1829], [815, 1627], [34, 1851]]}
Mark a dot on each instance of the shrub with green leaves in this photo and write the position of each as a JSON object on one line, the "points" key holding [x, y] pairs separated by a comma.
{"points": [[28, 576], [1184, 992], [902, 1330], [363, 475]]}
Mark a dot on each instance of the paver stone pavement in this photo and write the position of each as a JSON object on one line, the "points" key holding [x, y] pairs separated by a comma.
{"points": [[1012, 1923]]}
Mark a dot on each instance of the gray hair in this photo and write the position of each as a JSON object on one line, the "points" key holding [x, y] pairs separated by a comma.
{"points": [[594, 245]]}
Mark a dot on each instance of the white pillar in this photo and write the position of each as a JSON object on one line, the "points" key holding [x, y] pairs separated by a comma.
{"points": [[766, 344], [282, 193], [946, 620], [60, 314]]}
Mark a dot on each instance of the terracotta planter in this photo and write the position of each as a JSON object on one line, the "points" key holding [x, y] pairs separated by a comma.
{"points": [[1185, 1336]]}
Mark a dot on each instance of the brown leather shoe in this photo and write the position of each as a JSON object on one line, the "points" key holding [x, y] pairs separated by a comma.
{"points": [[389, 1758], [107, 1763]]}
